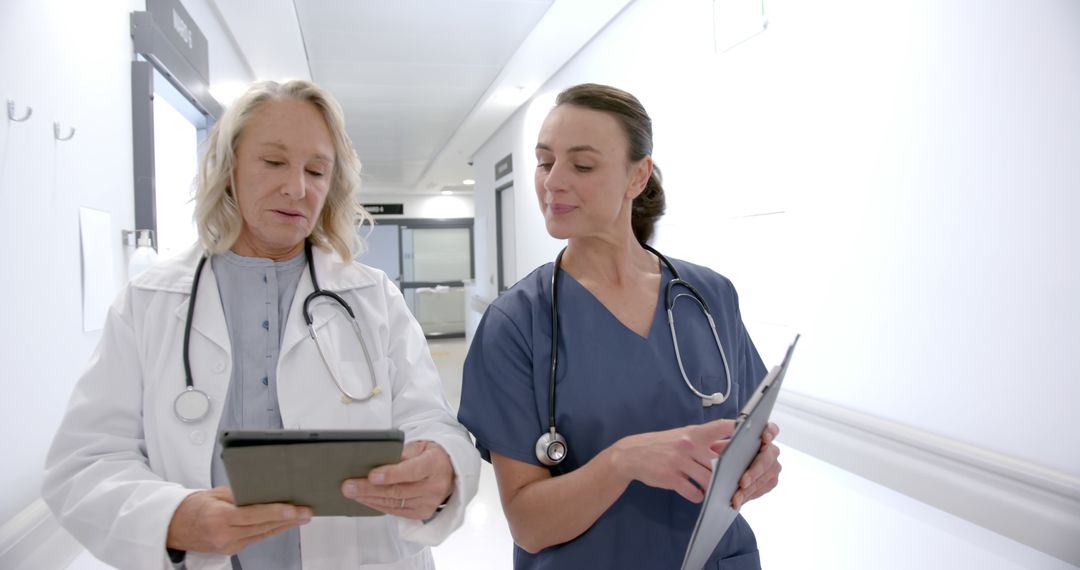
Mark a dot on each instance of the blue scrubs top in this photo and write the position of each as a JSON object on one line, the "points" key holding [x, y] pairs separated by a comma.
{"points": [[610, 383]]}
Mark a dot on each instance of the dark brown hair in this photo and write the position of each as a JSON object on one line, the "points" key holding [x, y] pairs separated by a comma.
{"points": [[625, 108]]}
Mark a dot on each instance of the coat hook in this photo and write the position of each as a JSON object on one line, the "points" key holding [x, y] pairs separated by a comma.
{"points": [[56, 132], [11, 112]]}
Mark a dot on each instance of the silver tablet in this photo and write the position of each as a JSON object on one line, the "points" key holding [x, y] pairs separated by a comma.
{"points": [[305, 467], [717, 513]]}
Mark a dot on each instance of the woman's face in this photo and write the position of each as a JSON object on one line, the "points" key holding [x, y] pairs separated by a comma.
{"points": [[284, 163], [585, 183]]}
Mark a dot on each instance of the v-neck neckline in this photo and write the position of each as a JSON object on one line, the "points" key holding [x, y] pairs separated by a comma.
{"points": [[657, 309]]}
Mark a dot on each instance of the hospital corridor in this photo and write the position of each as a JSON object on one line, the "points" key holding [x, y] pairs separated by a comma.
{"points": [[724, 284]]}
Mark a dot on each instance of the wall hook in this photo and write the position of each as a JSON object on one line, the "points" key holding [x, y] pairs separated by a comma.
{"points": [[11, 112], [56, 132]]}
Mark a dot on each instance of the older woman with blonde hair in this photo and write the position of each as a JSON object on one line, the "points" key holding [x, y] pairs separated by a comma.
{"points": [[217, 339]]}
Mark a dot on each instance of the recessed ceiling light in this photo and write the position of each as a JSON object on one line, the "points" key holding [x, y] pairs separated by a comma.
{"points": [[510, 95], [228, 91], [468, 182], [446, 192]]}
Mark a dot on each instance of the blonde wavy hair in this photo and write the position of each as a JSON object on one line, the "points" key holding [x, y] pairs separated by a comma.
{"points": [[217, 214]]}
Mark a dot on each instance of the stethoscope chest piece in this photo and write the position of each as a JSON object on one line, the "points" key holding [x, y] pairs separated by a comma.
{"points": [[551, 448], [191, 405]]}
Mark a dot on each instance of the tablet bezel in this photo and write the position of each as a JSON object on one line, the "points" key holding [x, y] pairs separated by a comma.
{"points": [[305, 467]]}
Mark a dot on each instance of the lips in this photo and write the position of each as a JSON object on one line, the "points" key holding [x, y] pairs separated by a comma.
{"points": [[559, 209], [290, 214]]}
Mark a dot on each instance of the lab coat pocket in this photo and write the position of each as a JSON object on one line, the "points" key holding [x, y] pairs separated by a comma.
{"points": [[421, 560], [745, 561], [361, 382]]}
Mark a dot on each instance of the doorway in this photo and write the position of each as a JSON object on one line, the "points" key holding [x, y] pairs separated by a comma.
{"points": [[430, 260], [178, 128], [504, 236]]}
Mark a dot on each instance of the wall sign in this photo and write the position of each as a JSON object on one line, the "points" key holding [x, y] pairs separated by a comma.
{"points": [[504, 166], [384, 209]]}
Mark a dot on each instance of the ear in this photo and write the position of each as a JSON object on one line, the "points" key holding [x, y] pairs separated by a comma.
{"points": [[640, 173]]}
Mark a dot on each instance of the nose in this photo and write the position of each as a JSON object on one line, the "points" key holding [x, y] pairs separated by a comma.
{"points": [[555, 179], [295, 186]]}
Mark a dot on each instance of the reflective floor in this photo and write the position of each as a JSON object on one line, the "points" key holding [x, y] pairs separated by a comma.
{"points": [[820, 517], [485, 529]]}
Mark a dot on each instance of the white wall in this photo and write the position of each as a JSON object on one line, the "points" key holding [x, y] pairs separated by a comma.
{"points": [[923, 156], [500, 144], [70, 61], [423, 205]]}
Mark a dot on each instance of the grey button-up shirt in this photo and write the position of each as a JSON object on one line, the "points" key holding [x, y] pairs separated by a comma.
{"points": [[256, 294]]}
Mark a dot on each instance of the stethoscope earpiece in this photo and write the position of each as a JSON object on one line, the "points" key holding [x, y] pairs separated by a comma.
{"points": [[713, 399]]}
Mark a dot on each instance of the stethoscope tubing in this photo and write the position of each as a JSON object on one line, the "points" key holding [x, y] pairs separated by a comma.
{"points": [[551, 439], [190, 316], [347, 397], [554, 339]]}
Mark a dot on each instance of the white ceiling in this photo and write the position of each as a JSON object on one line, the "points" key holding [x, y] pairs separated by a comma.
{"points": [[423, 82]]}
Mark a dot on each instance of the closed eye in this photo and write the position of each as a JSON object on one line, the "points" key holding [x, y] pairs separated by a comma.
{"points": [[273, 162], [315, 173]]}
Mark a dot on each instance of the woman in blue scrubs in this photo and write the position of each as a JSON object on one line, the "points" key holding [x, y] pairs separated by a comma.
{"points": [[639, 441]]}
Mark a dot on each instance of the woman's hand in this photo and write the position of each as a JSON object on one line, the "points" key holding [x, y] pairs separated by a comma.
{"points": [[763, 473], [209, 521], [678, 459], [411, 489]]}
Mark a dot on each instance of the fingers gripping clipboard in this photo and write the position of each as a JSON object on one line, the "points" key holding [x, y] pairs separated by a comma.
{"points": [[717, 513]]}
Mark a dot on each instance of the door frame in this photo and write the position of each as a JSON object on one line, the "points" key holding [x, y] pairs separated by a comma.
{"points": [[499, 265], [432, 223]]}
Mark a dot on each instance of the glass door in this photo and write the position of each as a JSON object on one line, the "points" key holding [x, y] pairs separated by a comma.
{"points": [[430, 259], [436, 261], [383, 250]]}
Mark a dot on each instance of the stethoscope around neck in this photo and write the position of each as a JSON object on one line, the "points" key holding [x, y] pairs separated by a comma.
{"points": [[192, 404], [552, 448]]}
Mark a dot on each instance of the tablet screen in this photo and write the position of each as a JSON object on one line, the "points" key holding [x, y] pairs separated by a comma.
{"points": [[305, 467]]}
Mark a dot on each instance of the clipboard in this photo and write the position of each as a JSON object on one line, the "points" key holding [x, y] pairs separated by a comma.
{"points": [[306, 467], [717, 513]]}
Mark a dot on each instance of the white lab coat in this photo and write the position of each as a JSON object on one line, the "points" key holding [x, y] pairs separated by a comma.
{"points": [[122, 462]]}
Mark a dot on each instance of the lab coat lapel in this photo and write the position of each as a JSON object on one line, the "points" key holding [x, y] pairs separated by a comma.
{"points": [[333, 276], [209, 317], [296, 327]]}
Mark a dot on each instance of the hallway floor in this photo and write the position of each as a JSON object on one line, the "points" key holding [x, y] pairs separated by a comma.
{"points": [[820, 517]]}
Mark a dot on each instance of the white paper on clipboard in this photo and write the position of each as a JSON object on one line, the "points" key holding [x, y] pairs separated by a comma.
{"points": [[717, 513]]}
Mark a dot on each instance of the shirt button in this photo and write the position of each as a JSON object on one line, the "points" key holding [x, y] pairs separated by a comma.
{"points": [[265, 381], [197, 437], [266, 325], [220, 366]]}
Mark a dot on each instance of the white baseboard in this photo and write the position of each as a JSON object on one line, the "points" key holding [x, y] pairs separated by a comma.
{"points": [[33, 540], [1029, 503]]}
